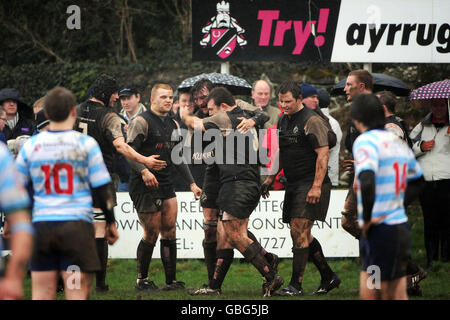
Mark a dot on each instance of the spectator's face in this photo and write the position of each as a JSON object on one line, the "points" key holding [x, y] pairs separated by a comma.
{"points": [[185, 101], [439, 109], [201, 97], [130, 103], [353, 87], [10, 107], [113, 99], [261, 94], [311, 102], [2, 120], [212, 108], [162, 100], [288, 103]]}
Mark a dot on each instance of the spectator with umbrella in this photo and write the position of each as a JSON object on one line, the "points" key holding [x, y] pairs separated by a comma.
{"points": [[431, 146]]}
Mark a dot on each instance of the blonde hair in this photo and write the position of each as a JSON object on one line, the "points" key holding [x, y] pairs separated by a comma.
{"points": [[160, 86]]}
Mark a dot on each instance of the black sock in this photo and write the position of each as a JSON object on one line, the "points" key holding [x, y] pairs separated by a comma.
{"points": [[144, 257], [299, 266], [209, 249], [224, 260], [255, 257], [169, 259], [102, 251], [317, 257], [267, 255]]}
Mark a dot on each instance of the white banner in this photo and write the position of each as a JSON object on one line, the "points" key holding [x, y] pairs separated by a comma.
{"points": [[265, 223], [407, 31]]}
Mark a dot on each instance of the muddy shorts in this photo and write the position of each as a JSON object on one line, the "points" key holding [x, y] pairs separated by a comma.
{"points": [[238, 198], [151, 201]]}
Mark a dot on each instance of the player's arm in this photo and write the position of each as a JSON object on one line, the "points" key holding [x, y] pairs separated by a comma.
{"points": [[317, 134], [105, 200], [21, 242], [275, 168], [184, 171], [191, 121], [258, 117], [114, 133]]}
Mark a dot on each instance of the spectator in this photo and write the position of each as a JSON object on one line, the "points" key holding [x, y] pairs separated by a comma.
{"points": [[42, 122], [38, 105], [431, 146], [18, 114], [333, 162], [2, 124]]}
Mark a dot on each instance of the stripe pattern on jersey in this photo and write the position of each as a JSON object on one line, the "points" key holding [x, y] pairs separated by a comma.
{"points": [[394, 164], [63, 166]]}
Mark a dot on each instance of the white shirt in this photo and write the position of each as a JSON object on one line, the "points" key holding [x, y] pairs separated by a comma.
{"points": [[333, 161]]}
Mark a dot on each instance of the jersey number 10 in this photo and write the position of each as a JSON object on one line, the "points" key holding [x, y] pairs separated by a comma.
{"points": [[49, 171]]}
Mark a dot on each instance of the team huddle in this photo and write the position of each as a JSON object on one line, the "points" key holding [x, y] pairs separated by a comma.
{"points": [[69, 167]]}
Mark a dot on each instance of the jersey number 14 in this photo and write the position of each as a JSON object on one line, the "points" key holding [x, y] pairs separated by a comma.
{"points": [[55, 172], [400, 181]]}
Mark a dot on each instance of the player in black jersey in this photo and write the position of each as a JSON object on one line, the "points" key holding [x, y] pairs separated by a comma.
{"points": [[303, 154], [239, 182], [95, 117], [155, 133]]}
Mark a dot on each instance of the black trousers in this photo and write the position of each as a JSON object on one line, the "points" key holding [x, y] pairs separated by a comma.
{"points": [[435, 202]]}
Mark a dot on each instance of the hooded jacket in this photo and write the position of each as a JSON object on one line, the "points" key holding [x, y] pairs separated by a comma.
{"points": [[25, 125]]}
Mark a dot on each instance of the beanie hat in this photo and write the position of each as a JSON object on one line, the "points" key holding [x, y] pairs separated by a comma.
{"points": [[324, 98], [308, 90]]}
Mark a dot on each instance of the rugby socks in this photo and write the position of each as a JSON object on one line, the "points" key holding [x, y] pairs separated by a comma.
{"points": [[169, 259], [224, 260], [255, 257], [209, 249], [317, 257], [102, 251], [144, 257], [299, 266], [267, 255]]}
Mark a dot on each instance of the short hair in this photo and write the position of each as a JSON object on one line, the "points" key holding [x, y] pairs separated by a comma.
{"points": [[58, 104], [367, 109], [221, 95], [363, 76], [39, 102], [160, 86], [261, 80], [292, 87], [388, 99], [204, 82]]}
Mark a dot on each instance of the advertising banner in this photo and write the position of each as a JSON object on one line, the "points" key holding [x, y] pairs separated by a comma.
{"points": [[407, 31], [265, 223]]}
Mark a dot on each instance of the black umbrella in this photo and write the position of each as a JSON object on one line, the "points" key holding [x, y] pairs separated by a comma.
{"points": [[380, 82], [236, 85]]}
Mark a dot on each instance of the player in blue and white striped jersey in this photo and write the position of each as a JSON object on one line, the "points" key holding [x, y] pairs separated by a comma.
{"points": [[14, 202], [384, 166], [66, 170]]}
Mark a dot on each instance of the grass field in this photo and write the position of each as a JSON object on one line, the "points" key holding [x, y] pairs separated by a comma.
{"points": [[243, 282]]}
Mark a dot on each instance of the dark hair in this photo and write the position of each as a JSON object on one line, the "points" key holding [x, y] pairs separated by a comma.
{"points": [[388, 99], [200, 84], [103, 88], [221, 95], [292, 87], [58, 103], [367, 108], [363, 76]]}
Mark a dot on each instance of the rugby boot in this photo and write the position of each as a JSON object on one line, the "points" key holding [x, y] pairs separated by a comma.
{"points": [[270, 287], [326, 286], [145, 285], [289, 291], [205, 292], [175, 285]]}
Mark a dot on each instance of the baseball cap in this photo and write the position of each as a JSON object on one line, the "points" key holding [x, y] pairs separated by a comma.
{"points": [[308, 90], [128, 91]]}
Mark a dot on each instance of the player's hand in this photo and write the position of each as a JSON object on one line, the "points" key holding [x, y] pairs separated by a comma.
{"points": [[427, 145], [111, 233], [196, 191], [149, 179], [266, 186], [313, 195], [348, 165], [155, 164], [367, 225], [11, 289], [245, 125]]}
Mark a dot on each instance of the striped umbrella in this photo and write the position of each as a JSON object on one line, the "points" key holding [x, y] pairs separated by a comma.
{"points": [[435, 90]]}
